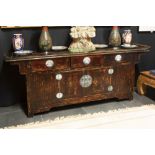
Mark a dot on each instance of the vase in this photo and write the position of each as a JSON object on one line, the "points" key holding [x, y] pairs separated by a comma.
{"points": [[45, 41], [127, 37], [115, 37], [18, 42]]}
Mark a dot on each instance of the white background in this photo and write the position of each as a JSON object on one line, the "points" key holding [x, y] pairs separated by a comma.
{"points": [[77, 12]]}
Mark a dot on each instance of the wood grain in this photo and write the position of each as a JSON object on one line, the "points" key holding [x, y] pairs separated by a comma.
{"points": [[42, 85]]}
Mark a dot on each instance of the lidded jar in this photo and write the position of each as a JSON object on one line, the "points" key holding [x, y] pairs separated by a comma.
{"points": [[18, 42], [115, 37], [127, 37], [45, 41]]}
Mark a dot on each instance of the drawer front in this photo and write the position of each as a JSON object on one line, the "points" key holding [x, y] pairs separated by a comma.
{"points": [[86, 61], [118, 59], [50, 64]]}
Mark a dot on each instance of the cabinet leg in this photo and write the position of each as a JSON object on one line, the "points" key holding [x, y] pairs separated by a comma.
{"points": [[30, 114], [131, 97], [126, 96]]}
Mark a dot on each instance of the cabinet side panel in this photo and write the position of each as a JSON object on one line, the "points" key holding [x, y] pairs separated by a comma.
{"points": [[40, 92]]}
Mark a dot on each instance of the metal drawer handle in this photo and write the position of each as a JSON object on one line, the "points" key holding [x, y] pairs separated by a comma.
{"points": [[58, 76], [118, 57], [110, 71], [59, 95], [49, 63], [86, 60], [110, 88]]}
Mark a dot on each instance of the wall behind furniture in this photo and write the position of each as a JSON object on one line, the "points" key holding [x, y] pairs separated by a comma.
{"points": [[12, 85]]}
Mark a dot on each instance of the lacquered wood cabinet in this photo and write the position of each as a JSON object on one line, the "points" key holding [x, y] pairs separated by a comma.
{"points": [[63, 78]]}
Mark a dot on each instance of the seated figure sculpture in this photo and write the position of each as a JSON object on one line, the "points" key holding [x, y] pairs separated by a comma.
{"points": [[82, 39]]}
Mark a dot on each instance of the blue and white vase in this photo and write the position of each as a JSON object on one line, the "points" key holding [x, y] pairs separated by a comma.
{"points": [[127, 37], [18, 42]]}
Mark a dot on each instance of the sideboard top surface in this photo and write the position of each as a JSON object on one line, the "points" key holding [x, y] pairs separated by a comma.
{"points": [[56, 54]]}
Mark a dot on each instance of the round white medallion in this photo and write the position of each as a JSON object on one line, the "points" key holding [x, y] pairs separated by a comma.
{"points": [[86, 60], [85, 81], [118, 57], [110, 71], [58, 76], [110, 88], [49, 63], [59, 95]]}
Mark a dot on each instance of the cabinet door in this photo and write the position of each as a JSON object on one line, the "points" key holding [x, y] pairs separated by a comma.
{"points": [[125, 80], [87, 82], [76, 84], [101, 80]]}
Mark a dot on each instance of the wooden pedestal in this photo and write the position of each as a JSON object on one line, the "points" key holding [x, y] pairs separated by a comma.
{"points": [[145, 79]]}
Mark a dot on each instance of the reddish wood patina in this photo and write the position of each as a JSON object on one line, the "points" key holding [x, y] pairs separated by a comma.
{"points": [[42, 85]]}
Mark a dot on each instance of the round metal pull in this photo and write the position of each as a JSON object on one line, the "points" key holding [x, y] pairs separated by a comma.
{"points": [[110, 88], [58, 76], [86, 60], [59, 95], [110, 71], [118, 57], [49, 63]]}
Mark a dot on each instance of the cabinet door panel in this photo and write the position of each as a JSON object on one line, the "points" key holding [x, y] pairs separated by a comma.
{"points": [[85, 83], [125, 79]]}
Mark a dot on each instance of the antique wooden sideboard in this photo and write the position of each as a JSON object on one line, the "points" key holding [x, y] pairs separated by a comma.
{"points": [[62, 78]]}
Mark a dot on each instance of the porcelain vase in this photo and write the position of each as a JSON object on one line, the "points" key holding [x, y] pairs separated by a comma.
{"points": [[115, 37], [18, 42], [45, 41], [127, 37]]}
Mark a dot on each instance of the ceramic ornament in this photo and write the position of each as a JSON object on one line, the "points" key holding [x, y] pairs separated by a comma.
{"points": [[82, 39]]}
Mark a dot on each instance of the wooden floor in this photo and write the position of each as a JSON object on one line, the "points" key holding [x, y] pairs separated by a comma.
{"points": [[15, 115]]}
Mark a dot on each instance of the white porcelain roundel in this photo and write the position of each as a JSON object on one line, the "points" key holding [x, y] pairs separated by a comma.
{"points": [[49, 63], [110, 71], [110, 88], [58, 76], [85, 81], [59, 95], [118, 57], [86, 60]]}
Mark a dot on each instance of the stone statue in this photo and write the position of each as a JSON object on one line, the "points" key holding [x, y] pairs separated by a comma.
{"points": [[82, 39]]}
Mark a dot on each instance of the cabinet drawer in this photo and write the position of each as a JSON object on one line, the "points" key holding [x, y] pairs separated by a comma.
{"points": [[118, 59], [86, 61], [50, 64]]}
